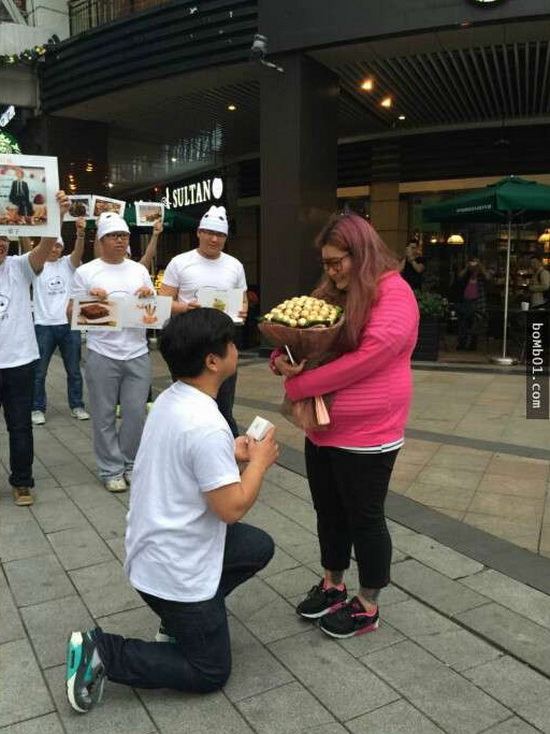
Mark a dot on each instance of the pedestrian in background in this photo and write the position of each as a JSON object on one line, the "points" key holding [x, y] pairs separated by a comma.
{"points": [[18, 354], [208, 266], [349, 464], [51, 291]]}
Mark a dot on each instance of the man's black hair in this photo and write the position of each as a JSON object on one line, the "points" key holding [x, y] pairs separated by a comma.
{"points": [[188, 338]]}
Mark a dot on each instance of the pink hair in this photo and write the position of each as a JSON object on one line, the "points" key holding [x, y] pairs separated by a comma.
{"points": [[370, 257]]}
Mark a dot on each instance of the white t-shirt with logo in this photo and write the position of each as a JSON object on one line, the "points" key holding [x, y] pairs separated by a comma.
{"points": [[17, 339], [51, 290], [190, 271], [122, 279], [174, 541]]}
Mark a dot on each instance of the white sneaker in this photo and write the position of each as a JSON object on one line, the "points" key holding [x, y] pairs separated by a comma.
{"points": [[80, 414], [116, 484], [38, 418]]}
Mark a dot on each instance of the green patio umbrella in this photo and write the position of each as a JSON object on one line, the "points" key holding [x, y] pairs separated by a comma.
{"points": [[508, 200]]}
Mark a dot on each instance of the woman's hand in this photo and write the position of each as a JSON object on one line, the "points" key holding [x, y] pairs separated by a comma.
{"points": [[285, 368]]}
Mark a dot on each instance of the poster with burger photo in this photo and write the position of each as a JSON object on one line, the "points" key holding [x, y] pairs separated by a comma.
{"points": [[92, 314], [28, 186]]}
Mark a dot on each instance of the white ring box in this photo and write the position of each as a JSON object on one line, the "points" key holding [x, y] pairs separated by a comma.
{"points": [[258, 428]]}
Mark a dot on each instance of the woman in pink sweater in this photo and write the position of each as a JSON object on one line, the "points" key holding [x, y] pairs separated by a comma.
{"points": [[349, 465]]}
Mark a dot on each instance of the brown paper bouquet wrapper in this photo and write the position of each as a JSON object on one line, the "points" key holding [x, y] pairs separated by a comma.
{"points": [[318, 346]]}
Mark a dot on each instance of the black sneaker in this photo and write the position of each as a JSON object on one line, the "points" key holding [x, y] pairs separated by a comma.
{"points": [[320, 601], [85, 675], [349, 619]]}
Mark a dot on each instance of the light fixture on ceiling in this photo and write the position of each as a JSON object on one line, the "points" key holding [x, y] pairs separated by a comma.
{"points": [[433, 239], [402, 117], [110, 184], [544, 239], [368, 85], [386, 102], [231, 107], [173, 159], [89, 167], [455, 239]]}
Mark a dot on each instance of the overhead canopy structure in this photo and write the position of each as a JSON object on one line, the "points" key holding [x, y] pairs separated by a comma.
{"points": [[510, 199]]}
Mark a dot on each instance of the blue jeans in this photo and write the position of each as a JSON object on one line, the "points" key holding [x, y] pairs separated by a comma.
{"points": [[200, 661], [48, 338], [16, 400]]}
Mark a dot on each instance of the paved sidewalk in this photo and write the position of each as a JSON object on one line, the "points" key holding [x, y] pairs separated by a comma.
{"points": [[462, 648]]}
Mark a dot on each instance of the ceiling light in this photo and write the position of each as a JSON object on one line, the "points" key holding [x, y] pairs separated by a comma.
{"points": [[401, 117], [433, 239], [173, 159], [110, 185], [455, 239], [386, 102], [231, 107], [368, 85], [545, 237]]}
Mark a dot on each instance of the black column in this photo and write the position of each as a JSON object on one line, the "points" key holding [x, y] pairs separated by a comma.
{"points": [[298, 173]]}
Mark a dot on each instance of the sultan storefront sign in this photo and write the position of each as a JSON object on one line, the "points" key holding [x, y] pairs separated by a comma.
{"points": [[203, 191]]}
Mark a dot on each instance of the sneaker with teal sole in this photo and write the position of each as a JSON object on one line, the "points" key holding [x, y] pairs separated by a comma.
{"points": [[85, 674]]}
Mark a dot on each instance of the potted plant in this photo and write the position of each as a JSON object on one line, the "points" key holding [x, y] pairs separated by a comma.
{"points": [[433, 309]]}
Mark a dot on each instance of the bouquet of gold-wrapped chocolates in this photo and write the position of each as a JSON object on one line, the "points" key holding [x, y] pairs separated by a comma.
{"points": [[310, 328]]}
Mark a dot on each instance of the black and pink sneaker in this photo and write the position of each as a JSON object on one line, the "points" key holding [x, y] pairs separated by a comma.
{"points": [[349, 619], [320, 601]]}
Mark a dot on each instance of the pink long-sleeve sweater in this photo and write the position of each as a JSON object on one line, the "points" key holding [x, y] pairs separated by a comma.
{"points": [[373, 384]]}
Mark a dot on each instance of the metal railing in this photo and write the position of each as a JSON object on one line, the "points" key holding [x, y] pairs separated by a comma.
{"points": [[87, 14]]}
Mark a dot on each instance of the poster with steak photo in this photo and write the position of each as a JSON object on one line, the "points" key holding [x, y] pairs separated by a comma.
{"points": [[91, 314]]}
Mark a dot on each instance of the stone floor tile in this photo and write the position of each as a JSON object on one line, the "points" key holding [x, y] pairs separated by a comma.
{"points": [[458, 648], [293, 582], [287, 532], [522, 690], [79, 547], [38, 579], [438, 556], [72, 472], [519, 466], [105, 589], [457, 457], [524, 534], [50, 623], [524, 509], [384, 636], [254, 669], [119, 712], [140, 623], [290, 506], [173, 711], [23, 538], [18, 666], [58, 515], [512, 726], [398, 717], [274, 622], [289, 709], [439, 495], [118, 548], [281, 561], [443, 593], [460, 478], [454, 704], [512, 486], [250, 597], [412, 618], [519, 636], [513, 595], [10, 621], [341, 683], [48, 724], [332, 728]]}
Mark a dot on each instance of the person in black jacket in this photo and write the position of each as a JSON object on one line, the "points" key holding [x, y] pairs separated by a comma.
{"points": [[20, 195]]}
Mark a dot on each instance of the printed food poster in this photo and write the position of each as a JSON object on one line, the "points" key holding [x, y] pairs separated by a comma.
{"points": [[90, 314], [148, 313], [229, 300]]}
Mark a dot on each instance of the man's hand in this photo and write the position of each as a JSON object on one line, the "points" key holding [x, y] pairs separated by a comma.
{"points": [[80, 224], [158, 227], [144, 292], [264, 452], [241, 448], [99, 293], [190, 305], [283, 365], [64, 203]]}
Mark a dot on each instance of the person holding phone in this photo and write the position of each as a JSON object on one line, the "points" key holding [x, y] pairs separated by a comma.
{"points": [[349, 463]]}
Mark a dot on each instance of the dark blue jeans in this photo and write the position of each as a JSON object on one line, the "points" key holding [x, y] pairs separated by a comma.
{"points": [[68, 341], [225, 400], [16, 399], [200, 661]]}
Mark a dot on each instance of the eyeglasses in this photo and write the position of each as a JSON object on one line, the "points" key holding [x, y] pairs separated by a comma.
{"points": [[334, 263], [118, 235]]}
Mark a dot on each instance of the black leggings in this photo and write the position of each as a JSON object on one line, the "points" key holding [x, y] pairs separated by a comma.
{"points": [[349, 491]]}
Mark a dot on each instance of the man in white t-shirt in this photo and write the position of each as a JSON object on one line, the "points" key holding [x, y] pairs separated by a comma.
{"points": [[185, 549], [118, 368], [51, 291], [208, 267], [18, 353]]}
